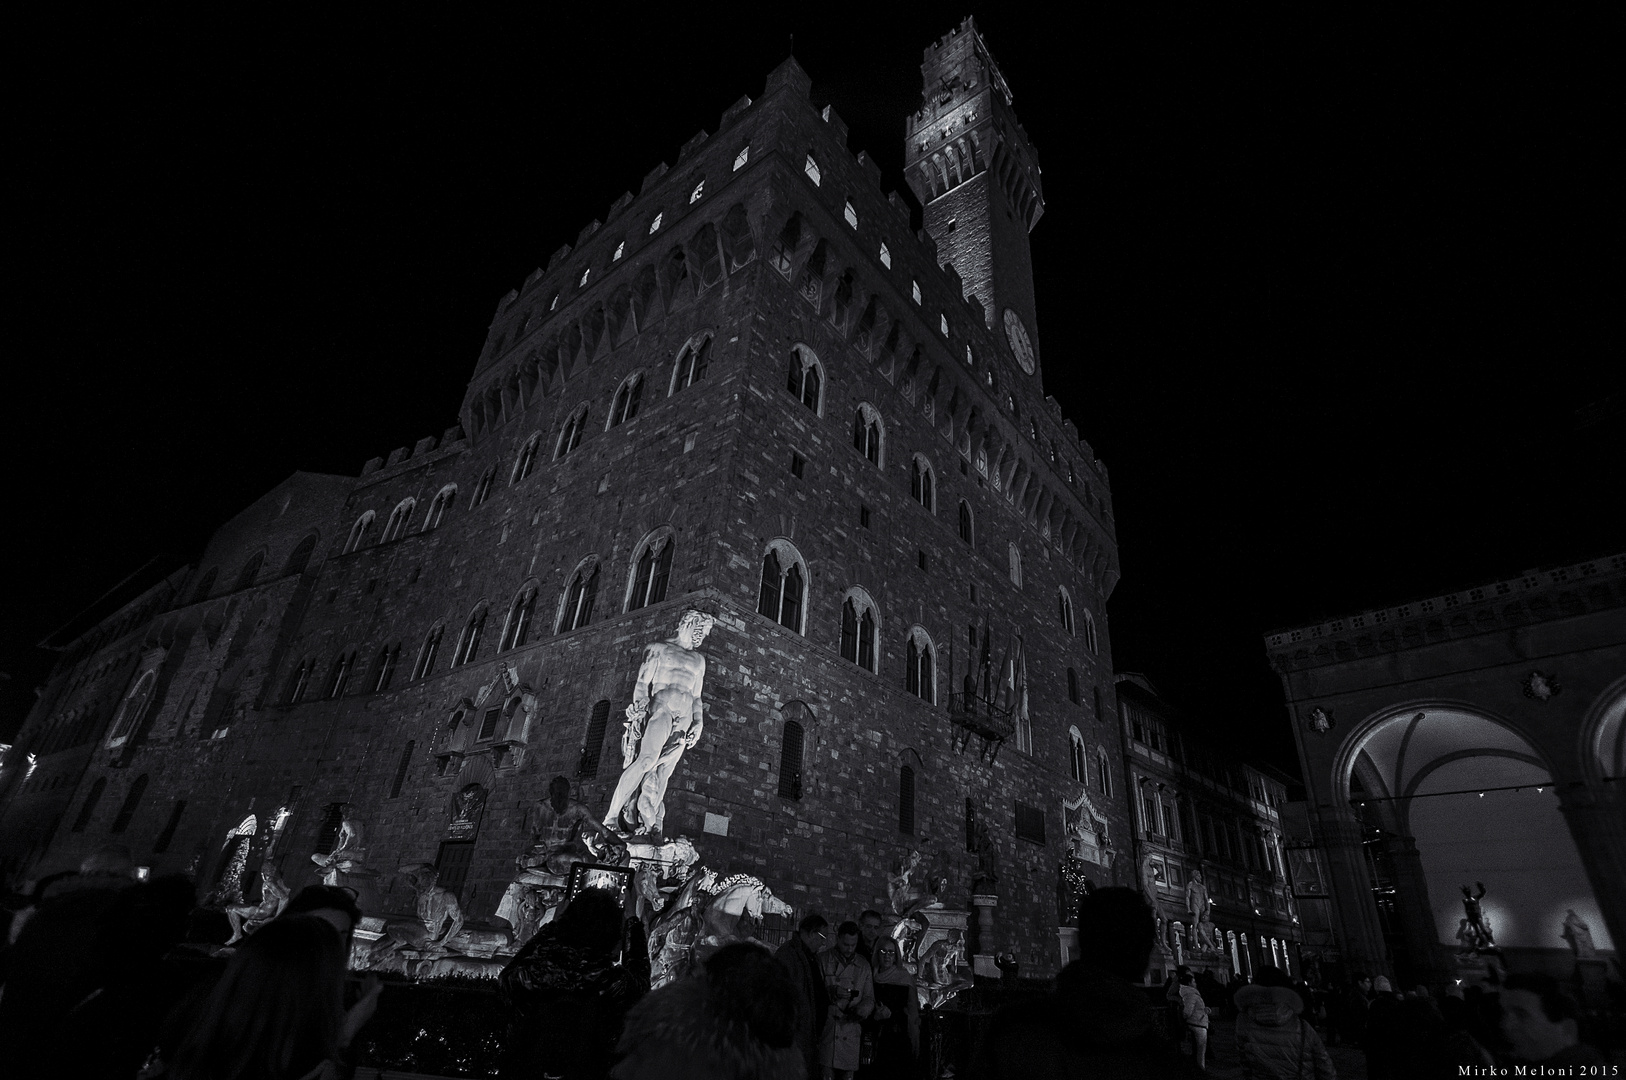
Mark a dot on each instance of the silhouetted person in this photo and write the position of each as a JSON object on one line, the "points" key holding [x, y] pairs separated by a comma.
{"points": [[734, 1021], [800, 956], [277, 1012], [870, 925], [1382, 1028], [1098, 1023], [894, 1026], [1273, 1039], [567, 995], [1542, 1023]]}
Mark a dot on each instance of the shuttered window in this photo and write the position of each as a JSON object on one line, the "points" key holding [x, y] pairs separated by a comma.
{"points": [[401, 769], [906, 800], [790, 761], [592, 747], [1029, 823]]}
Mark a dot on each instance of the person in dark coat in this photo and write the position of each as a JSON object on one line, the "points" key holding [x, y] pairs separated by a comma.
{"points": [[568, 997], [800, 955], [1097, 1023], [736, 1021]]}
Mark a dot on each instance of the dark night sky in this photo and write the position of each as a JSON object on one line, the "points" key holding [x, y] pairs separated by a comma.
{"points": [[1335, 297]]}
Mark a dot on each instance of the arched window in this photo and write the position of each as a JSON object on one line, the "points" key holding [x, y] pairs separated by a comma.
{"points": [[1016, 565], [1076, 756], [920, 481], [384, 669], [780, 597], [867, 433], [358, 532], [1072, 687], [339, 676], [579, 598], [1065, 606], [784, 250], [526, 460], [918, 677], [121, 820], [790, 761], [161, 845], [439, 508], [626, 402], [1103, 775], [468, 643], [400, 518], [89, 806], [966, 529], [300, 680], [691, 364], [518, 626], [650, 573], [482, 490], [1089, 632], [206, 585], [427, 653], [133, 708], [250, 571], [805, 380], [571, 436], [858, 629], [300, 557], [906, 800]]}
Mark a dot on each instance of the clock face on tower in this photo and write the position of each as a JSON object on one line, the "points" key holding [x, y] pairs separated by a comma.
{"points": [[1021, 344]]}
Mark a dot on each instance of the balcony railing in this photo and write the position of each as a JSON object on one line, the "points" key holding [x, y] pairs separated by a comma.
{"points": [[973, 714]]}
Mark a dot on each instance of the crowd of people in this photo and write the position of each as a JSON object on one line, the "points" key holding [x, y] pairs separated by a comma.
{"points": [[105, 976]]}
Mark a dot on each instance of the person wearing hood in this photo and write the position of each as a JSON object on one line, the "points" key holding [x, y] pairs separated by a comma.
{"points": [[1098, 1023], [567, 996], [894, 1027], [1194, 1013], [736, 1021], [1273, 1040]]}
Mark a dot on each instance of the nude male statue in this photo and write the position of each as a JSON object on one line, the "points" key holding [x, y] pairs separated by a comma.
{"points": [[567, 833], [247, 918], [663, 720]]}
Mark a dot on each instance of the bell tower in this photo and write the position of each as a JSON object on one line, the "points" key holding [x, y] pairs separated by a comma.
{"points": [[971, 166]]}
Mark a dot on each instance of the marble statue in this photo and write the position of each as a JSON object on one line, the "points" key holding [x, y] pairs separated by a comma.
{"points": [[1204, 935], [736, 899], [439, 918], [247, 918], [986, 877], [1579, 936], [567, 833], [908, 887], [664, 719], [348, 855]]}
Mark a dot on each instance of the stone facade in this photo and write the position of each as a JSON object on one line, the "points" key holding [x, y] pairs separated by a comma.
{"points": [[1470, 737], [761, 249]]}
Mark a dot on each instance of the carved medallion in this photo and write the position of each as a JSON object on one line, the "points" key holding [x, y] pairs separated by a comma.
{"points": [[1320, 720], [1541, 686]]}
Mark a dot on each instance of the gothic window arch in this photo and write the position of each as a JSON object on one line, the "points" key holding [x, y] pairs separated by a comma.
{"points": [[922, 482], [738, 241], [783, 592], [1076, 756], [300, 557], [906, 800], [440, 507], [526, 462], [517, 627], [784, 249], [1089, 632], [89, 807], [250, 571], [691, 364], [300, 680], [384, 668], [869, 434], [571, 436], [1015, 555], [427, 652], [1064, 604], [400, 518], [651, 569], [1103, 774], [811, 287], [338, 678], [860, 629], [576, 605], [624, 406], [805, 380], [967, 524], [468, 642], [133, 708], [127, 809], [792, 748], [482, 490], [919, 671], [359, 531]]}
